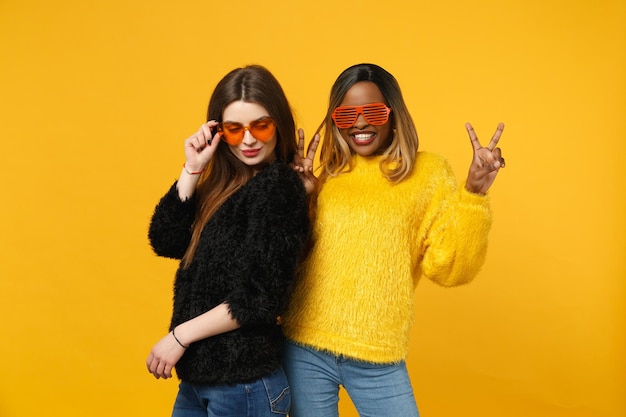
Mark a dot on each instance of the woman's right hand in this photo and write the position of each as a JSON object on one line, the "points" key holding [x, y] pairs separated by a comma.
{"points": [[200, 147], [304, 165], [486, 162], [164, 356]]}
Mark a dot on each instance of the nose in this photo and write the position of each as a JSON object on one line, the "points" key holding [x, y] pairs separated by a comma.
{"points": [[360, 122], [248, 139]]}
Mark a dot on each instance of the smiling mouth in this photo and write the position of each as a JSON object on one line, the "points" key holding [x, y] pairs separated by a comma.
{"points": [[363, 138], [251, 152]]}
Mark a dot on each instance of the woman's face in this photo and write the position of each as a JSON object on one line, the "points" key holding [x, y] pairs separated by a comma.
{"points": [[250, 151], [362, 137]]}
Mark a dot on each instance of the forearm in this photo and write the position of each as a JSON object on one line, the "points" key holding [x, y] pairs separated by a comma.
{"points": [[216, 321], [457, 245]]}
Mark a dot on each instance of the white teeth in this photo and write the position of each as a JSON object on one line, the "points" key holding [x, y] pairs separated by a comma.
{"points": [[363, 136]]}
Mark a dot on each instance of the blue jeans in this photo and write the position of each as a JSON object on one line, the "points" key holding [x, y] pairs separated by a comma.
{"points": [[268, 396], [377, 390]]}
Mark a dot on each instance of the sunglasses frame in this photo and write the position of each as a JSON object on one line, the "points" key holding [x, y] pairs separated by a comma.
{"points": [[360, 110], [250, 128]]}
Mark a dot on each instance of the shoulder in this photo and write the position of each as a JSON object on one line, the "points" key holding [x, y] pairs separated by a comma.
{"points": [[432, 164], [430, 171], [276, 184], [429, 160], [281, 169], [279, 174]]}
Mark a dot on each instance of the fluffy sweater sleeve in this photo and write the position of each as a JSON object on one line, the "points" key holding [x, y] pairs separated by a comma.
{"points": [[170, 227], [453, 233]]}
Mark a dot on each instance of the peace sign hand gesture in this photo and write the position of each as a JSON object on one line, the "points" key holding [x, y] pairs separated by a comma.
{"points": [[304, 166], [486, 162]]}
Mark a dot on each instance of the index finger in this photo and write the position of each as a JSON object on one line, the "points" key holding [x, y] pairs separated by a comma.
{"points": [[149, 361], [473, 138], [300, 143], [209, 130]]}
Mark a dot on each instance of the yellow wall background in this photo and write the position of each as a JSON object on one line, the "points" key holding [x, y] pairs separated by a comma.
{"points": [[97, 97]]}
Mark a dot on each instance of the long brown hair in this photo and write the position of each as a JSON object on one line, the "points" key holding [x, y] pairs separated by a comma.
{"points": [[399, 157], [225, 173]]}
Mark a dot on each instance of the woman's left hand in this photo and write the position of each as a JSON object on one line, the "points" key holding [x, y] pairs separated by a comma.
{"points": [[304, 165], [486, 162], [163, 356]]}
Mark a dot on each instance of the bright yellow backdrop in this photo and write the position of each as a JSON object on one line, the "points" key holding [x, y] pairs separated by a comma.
{"points": [[97, 97]]}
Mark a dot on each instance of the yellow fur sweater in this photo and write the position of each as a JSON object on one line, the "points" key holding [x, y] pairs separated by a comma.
{"points": [[372, 242]]}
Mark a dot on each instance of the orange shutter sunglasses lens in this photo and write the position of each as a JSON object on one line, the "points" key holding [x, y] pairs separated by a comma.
{"points": [[375, 114]]}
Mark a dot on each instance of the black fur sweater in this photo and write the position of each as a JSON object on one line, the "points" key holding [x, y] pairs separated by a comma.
{"points": [[246, 257]]}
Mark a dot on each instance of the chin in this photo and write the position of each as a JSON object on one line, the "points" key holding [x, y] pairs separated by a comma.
{"points": [[366, 150]]}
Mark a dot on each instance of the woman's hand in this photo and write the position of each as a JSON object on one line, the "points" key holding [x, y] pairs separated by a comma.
{"points": [[164, 356], [304, 165], [200, 147], [486, 162]]}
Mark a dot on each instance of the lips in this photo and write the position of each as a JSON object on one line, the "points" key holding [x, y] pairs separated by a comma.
{"points": [[363, 138], [251, 153]]}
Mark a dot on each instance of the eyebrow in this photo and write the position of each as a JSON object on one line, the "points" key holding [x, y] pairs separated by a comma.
{"points": [[255, 120]]}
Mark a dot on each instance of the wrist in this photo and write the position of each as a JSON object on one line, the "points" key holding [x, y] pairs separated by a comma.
{"points": [[477, 192], [192, 170], [473, 187], [184, 346]]}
